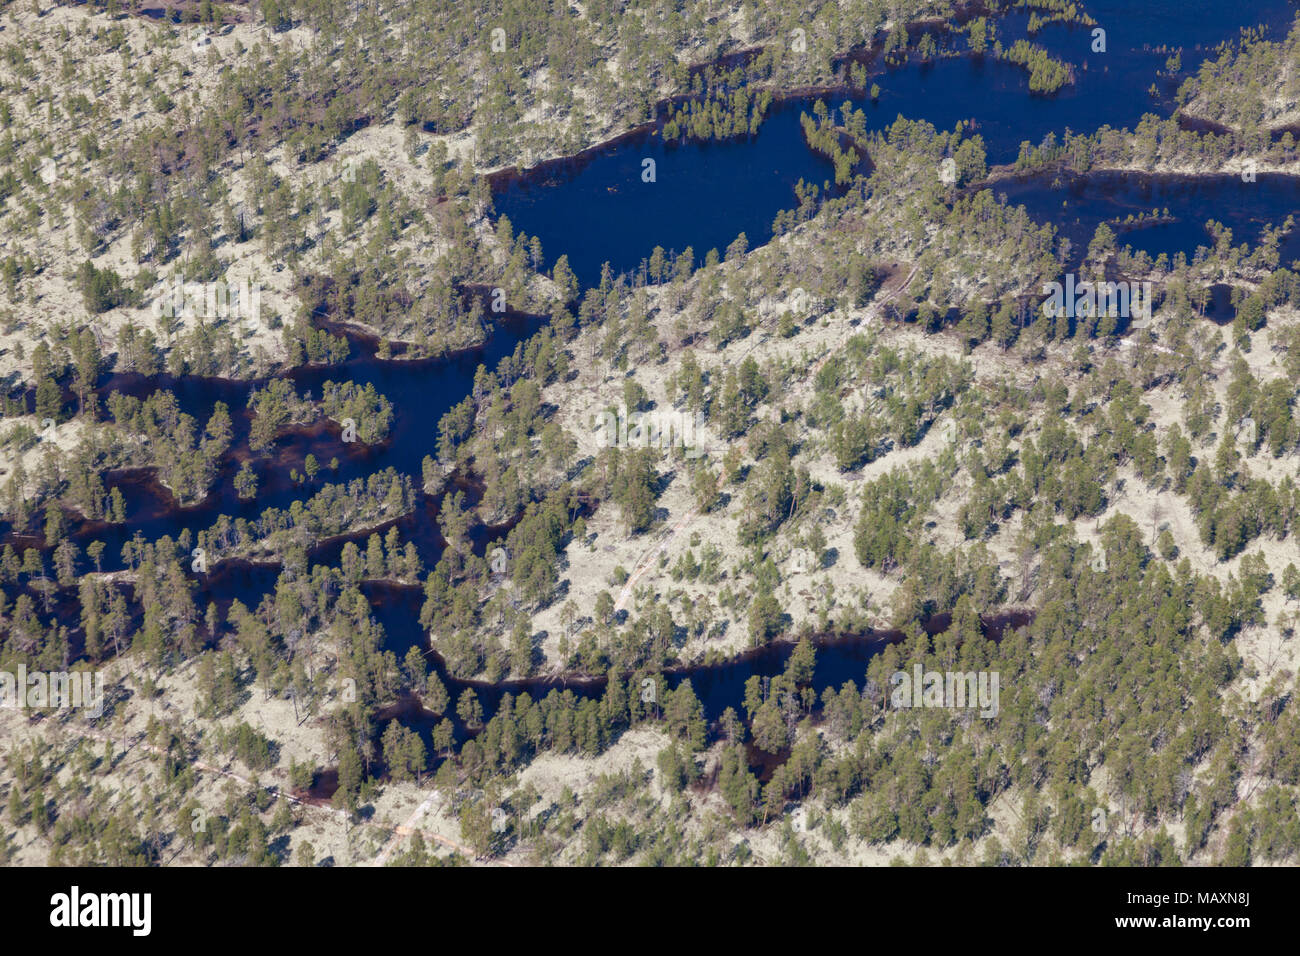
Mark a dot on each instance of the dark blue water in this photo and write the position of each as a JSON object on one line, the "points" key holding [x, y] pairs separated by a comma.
{"points": [[1195, 26], [704, 195], [1077, 206], [601, 211], [421, 392], [720, 686], [717, 686]]}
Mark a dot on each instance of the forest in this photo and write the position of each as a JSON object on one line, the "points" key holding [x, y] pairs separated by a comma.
{"points": [[369, 548]]}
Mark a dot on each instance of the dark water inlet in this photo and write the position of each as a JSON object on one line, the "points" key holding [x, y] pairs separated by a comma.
{"points": [[839, 658], [597, 208], [421, 391], [1078, 205]]}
